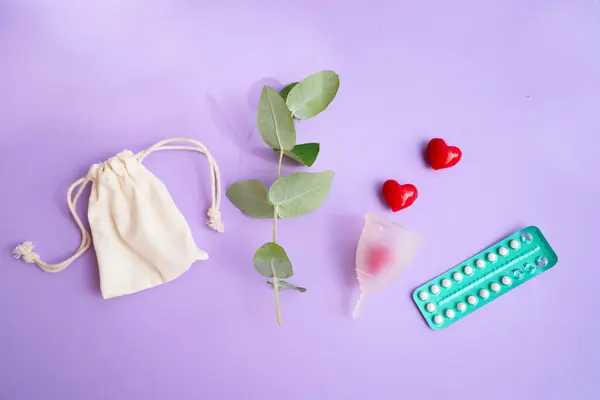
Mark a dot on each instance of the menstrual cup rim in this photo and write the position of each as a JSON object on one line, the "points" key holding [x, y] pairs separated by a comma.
{"points": [[383, 221]]}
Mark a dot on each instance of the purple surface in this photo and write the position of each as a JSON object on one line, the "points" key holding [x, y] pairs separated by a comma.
{"points": [[515, 84]]}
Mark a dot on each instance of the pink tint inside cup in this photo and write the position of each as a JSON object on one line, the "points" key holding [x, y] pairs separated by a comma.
{"points": [[385, 248]]}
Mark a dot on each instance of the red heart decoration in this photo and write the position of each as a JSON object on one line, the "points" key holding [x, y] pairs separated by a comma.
{"points": [[441, 155], [399, 196]]}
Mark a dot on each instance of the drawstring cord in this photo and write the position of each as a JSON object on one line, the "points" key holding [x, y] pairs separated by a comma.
{"points": [[214, 215], [26, 251]]}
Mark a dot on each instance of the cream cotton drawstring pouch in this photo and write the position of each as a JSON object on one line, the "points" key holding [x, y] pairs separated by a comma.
{"points": [[141, 238]]}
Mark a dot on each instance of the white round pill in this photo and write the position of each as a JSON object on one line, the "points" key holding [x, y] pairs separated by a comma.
{"points": [[492, 257], [472, 300], [423, 296], [435, 289], [461, 307], [450, 313], [438, 319], [430, 307], [495, 287], [484, 294], [506, 280], [514, 244], [480, 263], [446, 283], [457, 276], [503, 251], [468, 270]]}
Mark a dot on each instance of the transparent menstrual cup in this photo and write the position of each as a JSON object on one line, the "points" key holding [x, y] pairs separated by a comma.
{"points": [[385, 249]]}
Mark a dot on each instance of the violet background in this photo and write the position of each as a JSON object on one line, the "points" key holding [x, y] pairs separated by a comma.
{"points": [[514, 83]]}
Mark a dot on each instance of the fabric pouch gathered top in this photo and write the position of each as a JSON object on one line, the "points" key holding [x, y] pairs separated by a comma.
{"points": [[141, 238]]}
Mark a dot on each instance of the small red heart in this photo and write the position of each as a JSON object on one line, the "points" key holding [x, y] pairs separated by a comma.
{"points": [[399, 196], [441, 155]]}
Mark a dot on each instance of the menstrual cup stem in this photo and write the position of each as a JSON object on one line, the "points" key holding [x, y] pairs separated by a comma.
{"points": [[358, 307]]}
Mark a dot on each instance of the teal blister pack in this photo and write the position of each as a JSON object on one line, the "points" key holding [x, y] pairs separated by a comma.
{"points": [[484, 277]]}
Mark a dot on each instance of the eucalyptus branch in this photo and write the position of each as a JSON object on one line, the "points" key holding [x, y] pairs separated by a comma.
{"points": [[293, 195]]}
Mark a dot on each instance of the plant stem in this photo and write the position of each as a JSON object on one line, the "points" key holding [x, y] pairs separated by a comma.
{"points": [[275, 212], [276, 288], [279, 165], [275, 280]]}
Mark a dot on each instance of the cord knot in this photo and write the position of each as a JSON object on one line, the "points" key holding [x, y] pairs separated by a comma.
{"points": [[214, 220], [25, 251]]}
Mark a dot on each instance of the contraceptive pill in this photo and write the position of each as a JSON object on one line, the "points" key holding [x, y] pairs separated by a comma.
{"points": [[465, 289]]}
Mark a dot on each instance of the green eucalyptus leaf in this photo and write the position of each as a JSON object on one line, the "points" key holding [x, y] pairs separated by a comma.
{"points": [[274, 121], [300, 193], [285, 285], [286, 90], [313, 94], [251, 197], [270, 260], [305, 154]]}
